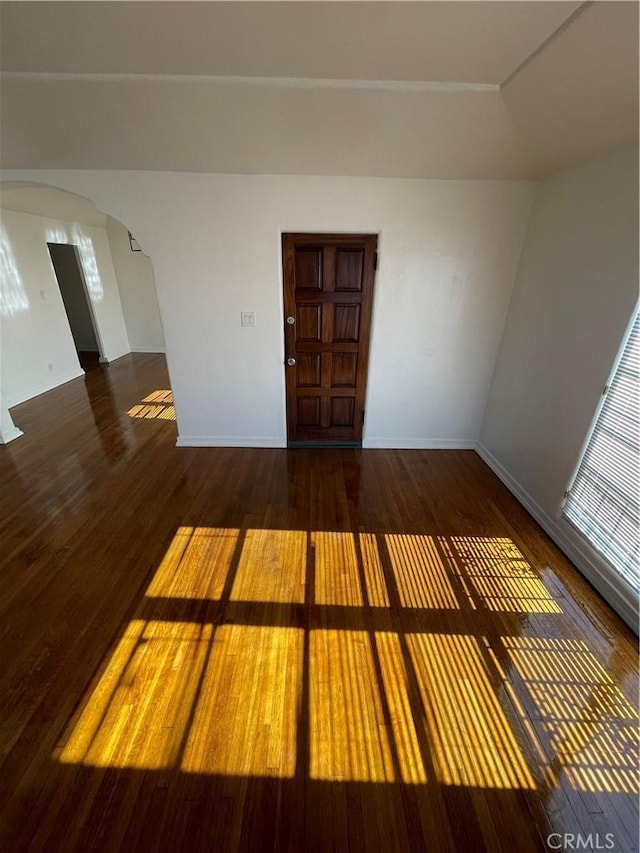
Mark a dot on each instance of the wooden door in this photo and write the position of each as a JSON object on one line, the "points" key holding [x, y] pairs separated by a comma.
{"points": [[328, 294]]}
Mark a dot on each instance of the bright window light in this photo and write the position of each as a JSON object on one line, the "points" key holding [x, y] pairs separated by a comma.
{"points": [[602, 501]]}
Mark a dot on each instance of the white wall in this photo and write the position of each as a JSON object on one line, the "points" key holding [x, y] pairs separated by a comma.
{"points": [[37, 347], [190, 124], [576, 288], [448, 255], [8, 430], [50, 202], [137, 287]]}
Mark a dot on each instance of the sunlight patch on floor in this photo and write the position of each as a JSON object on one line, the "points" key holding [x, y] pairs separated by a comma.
{"points": [[348, 735], [395, 684], [271, 567], [473, 741], [163, 396], [590, 727], [257, 652], [196, 564], [375, 584], [245, 719], [337, 580], [140, 709], [155, 406], [419, 572], [500, 575], [162, 413]]}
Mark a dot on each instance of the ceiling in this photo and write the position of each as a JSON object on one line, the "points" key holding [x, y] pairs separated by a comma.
{"points": [[422, 89], [464, 42]]}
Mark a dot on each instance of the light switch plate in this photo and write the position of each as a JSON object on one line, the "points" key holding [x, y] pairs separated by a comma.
{"points": [[248, 318]]}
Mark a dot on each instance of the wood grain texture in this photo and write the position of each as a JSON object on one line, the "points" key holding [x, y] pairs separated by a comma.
{"points": [[232, 649], [328, 293]]}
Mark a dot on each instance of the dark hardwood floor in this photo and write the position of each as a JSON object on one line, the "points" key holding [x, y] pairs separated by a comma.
{"points": [[217, 650]]}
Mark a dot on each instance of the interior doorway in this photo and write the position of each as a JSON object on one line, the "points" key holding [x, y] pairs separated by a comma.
{"points": [[68, 270], [328, 297]]}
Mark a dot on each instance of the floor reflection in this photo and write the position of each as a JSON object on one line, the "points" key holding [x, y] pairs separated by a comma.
{"points": [[264, 652]]}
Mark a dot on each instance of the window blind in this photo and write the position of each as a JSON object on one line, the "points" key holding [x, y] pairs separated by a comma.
{"points": [[603, 500]]}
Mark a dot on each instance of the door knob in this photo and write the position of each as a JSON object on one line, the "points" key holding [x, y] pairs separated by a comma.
{"points": [[291, 320], [291, 362]]}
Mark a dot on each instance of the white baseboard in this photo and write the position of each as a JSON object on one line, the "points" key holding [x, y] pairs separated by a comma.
{"points": [[610, 587], [228, 441], [109, 359], [373, 443], [154, 350], [42, 389], [418, 444], [8, 435]]}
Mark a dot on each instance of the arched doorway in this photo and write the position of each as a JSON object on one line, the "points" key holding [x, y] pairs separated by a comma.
{"points": [[76, 286]]}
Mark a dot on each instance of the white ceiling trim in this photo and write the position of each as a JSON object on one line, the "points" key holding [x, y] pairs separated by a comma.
{"points": [[278, 82]]}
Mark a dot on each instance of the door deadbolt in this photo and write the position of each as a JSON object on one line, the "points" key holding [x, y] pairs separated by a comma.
{"points": [[291, 320]]}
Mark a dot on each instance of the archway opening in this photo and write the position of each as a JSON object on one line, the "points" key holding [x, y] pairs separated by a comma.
{"points": [[77, 291]]}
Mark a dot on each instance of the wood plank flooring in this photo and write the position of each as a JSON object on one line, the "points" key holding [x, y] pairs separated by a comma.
{"points": [[218, 650]]}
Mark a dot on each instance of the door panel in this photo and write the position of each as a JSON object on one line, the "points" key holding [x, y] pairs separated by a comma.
{"points": [[308, 374], [309, 411], [344, 370], [309, 323], [346, 323], [342, 411], [308, 269], [328, 291], [349, 269]]}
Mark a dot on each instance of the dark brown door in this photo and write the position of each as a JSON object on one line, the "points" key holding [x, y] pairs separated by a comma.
{"points": [[328, 293]]}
